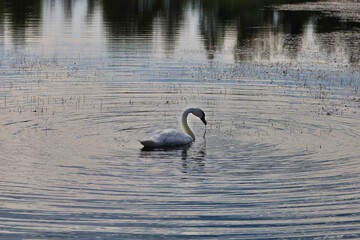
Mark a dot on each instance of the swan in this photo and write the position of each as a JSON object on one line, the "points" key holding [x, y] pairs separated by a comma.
{"points": [[171, 137]]}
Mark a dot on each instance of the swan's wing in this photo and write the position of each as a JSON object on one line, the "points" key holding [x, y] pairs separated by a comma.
{"points": [[167, 138]]}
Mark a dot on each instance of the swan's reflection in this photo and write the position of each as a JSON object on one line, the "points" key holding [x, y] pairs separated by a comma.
{"points": [[148, 151], [192, 155], [195, 160]]}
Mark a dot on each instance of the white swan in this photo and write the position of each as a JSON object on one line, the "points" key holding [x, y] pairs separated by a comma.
{"points": [[172, 137]]}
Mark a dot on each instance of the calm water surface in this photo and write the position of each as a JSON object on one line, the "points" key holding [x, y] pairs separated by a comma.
{"points": [[82, 81]]}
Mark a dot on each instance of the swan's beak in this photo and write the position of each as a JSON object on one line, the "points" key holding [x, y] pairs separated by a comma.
{"points": [[203, 120]]}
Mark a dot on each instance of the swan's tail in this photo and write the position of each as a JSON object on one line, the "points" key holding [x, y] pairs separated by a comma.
{"points": [[148, 143]]}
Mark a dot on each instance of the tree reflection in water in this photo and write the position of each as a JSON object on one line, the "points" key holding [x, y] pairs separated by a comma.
{"points": [[259, 25]]}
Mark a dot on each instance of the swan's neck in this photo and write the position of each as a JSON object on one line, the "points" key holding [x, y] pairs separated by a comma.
{"points": [[185, 124]]}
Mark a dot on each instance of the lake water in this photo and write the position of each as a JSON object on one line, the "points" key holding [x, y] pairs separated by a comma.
{"points": [[82, 81]]}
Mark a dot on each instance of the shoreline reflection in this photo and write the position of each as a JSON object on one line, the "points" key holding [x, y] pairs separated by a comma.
{"points": [[242, 27]]}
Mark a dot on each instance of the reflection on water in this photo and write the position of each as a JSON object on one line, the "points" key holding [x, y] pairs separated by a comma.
{"points": [[215, 26], [81, 81], [193, 159]]}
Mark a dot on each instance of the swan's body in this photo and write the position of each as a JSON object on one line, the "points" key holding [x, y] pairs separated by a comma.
{"points": [[172, 137]]}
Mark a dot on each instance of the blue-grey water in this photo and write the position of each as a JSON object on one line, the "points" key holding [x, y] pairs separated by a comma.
{"points": [[82, 81]]}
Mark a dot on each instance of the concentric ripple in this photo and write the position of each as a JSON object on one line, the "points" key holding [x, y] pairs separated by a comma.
{"points": [[272, 163], [279, 158]]}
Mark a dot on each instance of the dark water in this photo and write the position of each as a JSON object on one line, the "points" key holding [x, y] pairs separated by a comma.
{"points": [[82, 81]]}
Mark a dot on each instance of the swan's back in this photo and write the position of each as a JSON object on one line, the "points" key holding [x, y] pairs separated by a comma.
{"points": [[167, 138]]}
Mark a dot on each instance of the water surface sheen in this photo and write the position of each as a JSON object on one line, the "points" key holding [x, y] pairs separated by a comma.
{"points": [[82, 81]]}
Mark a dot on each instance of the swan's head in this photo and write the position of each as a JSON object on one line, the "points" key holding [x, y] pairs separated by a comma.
{"points": [[200, 114]]}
